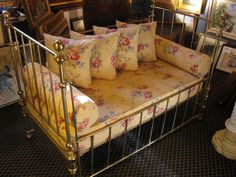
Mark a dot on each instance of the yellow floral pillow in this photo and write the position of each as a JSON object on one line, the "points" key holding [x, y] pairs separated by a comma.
{"points": [[146, 45], [77, 59], [185, 58], [127, 46], [104, 54]]}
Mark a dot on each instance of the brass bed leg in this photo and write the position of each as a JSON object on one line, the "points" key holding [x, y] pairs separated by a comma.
{"points": [[22, 103], [72, 166], [204, 101], [71, 160], [29, 128]]}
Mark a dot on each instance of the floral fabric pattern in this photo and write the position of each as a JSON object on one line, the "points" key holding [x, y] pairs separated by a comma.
{"points": [[135, 90], [104, 53], [86, 111], [146, 45], [127, 46], [77, 59], [185, 58]]}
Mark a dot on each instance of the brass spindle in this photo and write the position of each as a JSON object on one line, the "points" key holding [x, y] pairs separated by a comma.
{"points": [[164, 121], [125, 134], [186, 107], [92, 153], [172, 25], [109, 146], [139, 129], [176, 111], [43, 82], [153, 118], [35, 77], [196, 100]]}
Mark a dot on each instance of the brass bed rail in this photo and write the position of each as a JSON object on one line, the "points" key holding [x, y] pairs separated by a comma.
{"points": [[26, 50]]}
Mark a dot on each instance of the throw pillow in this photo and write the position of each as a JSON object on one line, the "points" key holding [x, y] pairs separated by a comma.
{"points": [[127, 46], [146, 44], [77, 59], [104, 54]]}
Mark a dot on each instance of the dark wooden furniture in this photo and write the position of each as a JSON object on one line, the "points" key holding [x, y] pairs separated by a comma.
{"points": [[104, 12], [57, 5]]}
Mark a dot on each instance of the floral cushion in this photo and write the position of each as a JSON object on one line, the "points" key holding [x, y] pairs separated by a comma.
{"points": [[104, 54], [77, 59], [146, 45], [185, 58], [127, 46], [134, 90], [86, 111], [151, 82]]}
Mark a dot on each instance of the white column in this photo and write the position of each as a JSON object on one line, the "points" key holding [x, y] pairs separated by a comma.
{"points": [[231, 122], [233, 115]]}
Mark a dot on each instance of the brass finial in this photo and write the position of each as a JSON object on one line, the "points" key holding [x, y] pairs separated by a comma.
{"points": [[58, 45], [6, 16]]}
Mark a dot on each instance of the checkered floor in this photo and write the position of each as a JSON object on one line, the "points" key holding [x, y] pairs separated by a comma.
{"points": [[187, 152]]}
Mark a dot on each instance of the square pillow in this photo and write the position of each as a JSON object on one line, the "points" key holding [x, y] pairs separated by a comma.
{"points": [[146, 45], [127, 46], [77, 55], [104, 54]]}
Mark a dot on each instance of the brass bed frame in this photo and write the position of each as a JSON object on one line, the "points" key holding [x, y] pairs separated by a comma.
{"points": [[191, 109]]}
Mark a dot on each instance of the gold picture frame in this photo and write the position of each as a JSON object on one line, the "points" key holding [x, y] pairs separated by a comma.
{"points": [[227, 60], [36, 11], [169, 4], [192, 6]]}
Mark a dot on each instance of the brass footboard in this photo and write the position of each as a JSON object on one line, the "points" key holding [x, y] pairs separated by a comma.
{"points": [[26, 49]]}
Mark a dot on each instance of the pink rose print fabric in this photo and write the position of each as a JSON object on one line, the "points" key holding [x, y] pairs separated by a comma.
{"points": [[146, 45], [86, 111], [104, 54], [135, 90], [127, 46], [77, 55], [185, 58]]}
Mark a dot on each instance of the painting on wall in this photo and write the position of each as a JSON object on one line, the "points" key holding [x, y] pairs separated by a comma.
{"points": [[169, 4], [192, 6], [227, 60], [229, 7], [8, 84], [207, 43], [36, 11]]}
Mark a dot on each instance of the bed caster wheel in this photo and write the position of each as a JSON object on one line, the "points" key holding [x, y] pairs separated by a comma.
{"points": [[29, 134], [72, 167], [203, 107], [200, 118]]}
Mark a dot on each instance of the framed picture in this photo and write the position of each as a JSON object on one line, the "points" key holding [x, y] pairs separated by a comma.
{"points": [[8, 84], [187, 20], [36, 11], [229, 7], [165, 31], [8, 2], [192, 6], [206, 44], [227, 60], [77, 24], [57, 5], [169, 4]]}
